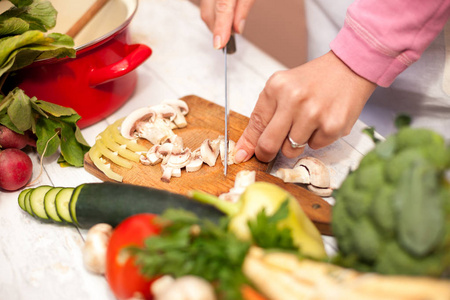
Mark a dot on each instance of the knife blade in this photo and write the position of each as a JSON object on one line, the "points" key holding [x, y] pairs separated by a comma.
{"points": [[230, 48]]}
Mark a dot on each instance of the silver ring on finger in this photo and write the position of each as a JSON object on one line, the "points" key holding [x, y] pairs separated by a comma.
{"points": [[296, 145]]}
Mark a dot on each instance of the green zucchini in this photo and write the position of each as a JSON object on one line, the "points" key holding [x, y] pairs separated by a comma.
{"points": [[37, 201], [22, 198], [110, 202], [50, 204], [62, 201]]}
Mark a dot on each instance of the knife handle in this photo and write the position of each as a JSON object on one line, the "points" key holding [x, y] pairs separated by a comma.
{"points": [[231, 45]]}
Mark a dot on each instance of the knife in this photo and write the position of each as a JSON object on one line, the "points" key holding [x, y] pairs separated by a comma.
{"points": [[230, 48]]}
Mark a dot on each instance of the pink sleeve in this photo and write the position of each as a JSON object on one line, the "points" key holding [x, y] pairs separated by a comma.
{"points": [[381, 38]]}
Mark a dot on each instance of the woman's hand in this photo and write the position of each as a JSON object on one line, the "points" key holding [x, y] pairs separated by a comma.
{"points": [[224, 16], [315, 103]]}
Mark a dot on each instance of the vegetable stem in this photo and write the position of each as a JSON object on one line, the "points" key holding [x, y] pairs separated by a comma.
{"points": [[228, 208]]}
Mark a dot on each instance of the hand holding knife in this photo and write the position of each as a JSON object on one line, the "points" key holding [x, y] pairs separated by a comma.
{"points": [[230, 48]]}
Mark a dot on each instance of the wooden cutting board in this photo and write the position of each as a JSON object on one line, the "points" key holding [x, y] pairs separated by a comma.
{"points": [[206, 121]]}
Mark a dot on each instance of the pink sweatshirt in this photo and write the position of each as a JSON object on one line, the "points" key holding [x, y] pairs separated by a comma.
{"points": [[381, 38]]}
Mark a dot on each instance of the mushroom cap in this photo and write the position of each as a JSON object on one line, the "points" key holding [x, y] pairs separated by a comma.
{"points": [[181, 105], [129, 124], [164, 111], [319, 174]]}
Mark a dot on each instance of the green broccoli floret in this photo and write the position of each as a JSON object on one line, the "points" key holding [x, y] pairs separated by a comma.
{"points": [[392, 214]]}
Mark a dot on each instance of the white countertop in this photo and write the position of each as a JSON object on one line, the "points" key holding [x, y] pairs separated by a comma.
{"points": [[43, 260]]}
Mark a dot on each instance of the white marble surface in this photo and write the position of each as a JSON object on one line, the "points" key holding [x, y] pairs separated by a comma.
{"points": [[43, 261]]}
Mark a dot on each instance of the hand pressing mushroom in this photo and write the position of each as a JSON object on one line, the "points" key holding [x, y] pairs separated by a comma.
{"points": [[311, 172], [94, 251], [183, 288]]}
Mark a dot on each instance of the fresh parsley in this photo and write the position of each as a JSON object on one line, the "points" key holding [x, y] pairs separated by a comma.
{"points": [[188, 245], [266, 231]]}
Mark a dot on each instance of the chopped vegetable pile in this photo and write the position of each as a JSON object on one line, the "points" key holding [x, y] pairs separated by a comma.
{"points": [[192, 246], [392, 215]]}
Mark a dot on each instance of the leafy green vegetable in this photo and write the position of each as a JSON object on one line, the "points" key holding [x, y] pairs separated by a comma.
{"points": [[196, 247], [392, 214], [188, 245], [54, 125], [23, 41], [22, 38]]}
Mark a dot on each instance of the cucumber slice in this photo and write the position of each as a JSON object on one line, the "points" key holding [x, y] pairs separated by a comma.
{"points": [[37, 201], [50, 204], [28, 204], [62, 204], [22, 198]]}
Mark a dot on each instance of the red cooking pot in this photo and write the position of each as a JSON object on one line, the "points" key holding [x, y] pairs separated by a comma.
{"points": [[102, 77]]}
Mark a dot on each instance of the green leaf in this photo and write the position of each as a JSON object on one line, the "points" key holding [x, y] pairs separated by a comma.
{"points": [[6, 101], [6, 121], [19, 111], [20, 51], [21, 3], [80, 138], [55, 109], [12, 26], [47, 131], [72, 151], [266, 232], [40, 15], [420, 208]]}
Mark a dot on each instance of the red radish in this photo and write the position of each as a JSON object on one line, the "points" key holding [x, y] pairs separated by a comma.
{"points": [[11, 139], [15, 169]]}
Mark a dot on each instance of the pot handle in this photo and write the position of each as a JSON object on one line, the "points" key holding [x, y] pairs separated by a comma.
{"points": [[134, 59]]}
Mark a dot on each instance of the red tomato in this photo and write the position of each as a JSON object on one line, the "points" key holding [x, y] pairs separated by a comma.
{"points": [[122, 274]]}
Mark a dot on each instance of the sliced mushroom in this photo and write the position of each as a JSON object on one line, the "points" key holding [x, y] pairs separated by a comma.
{"points": [[164, 150], [179, 160], [319, 175], [310, 171], [196, 162], [174, 163], [322, 192], [177, 142], [167, 173], [209, 152], [241, 182], [132, 121], [164, 111], [151, 157], [179, 104], [155, 132], [231, 146], [244, 178], [298, 175]]}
